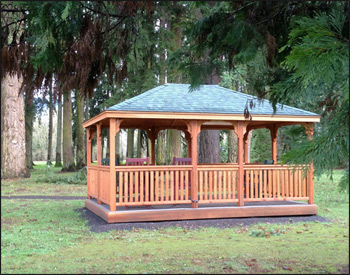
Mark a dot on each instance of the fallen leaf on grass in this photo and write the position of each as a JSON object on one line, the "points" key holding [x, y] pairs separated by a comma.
{"points": [[299, 232], [287, 268]]}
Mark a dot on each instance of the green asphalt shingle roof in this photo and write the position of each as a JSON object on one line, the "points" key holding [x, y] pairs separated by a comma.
{"points": [[208, 99]]}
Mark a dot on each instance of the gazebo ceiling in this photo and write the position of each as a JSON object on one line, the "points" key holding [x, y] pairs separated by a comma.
{"points": [[168, 105]]}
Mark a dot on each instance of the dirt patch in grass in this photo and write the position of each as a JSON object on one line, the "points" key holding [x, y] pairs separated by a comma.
{"points": [[97, 224]]}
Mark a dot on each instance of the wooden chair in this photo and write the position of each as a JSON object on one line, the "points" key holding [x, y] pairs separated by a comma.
{"points": [[137, 161]]}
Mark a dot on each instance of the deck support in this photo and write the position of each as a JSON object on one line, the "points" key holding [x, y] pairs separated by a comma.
{"points": [[309, 129], [99, 161], [194, 129]]}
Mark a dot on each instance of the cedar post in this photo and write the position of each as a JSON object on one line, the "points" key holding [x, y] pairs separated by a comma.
{"points": [[152, 135], [194, 129], [240, 129], [309, 129], [188, 139], [246, 153], [99, 162], [90, 135], [273, 132], [114, 125]]}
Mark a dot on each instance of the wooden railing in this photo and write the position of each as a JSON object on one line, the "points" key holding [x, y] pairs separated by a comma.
{"points": [[275, 182], [156, 185], [217, 183], [153, 185]]}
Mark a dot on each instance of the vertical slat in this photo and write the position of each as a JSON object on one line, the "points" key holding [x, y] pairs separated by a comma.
{"points": [[210, 185], [300, 182], [121, 182], [286, 177], [282, 183], [270, 183], [290, 172], [260, 184], [181, 185], [172, 186], [224, 184], [161, 185], [126, 183], [246, 172], [142, 192], [156, 187], [274, 191], [136, 180], [147, 186], [295, 175], [166, 185], [152, 183], [251, 183], [265, 183], [186, 184], [201, 185], [234, 182], [131, 186], [304, 187], [278, 183], [256, 182], [220, 184], [229, 180], [177, 182], [215, 184], [206, 185]]}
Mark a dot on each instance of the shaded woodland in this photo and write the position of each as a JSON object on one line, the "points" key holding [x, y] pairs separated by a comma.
{"points": [[72, 60]]}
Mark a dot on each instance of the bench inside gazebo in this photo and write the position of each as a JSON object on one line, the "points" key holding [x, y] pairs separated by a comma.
{"points": [[152, 192]]}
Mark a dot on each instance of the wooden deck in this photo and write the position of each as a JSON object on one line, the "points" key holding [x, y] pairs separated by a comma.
{"points": [[204, 211]]}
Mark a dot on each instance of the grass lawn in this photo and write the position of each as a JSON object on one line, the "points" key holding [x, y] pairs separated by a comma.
{"points": [[48, 236]]}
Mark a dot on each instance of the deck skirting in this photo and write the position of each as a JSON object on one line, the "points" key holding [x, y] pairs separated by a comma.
{"points": [[199, 213]]}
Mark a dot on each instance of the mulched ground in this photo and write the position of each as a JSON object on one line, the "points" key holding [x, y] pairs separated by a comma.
{"points": [[97, 224]]}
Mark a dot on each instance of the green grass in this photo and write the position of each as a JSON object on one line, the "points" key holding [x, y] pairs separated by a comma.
{"points": [[47, 236]]}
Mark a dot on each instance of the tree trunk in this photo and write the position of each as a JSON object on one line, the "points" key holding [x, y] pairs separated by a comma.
{"points": [[86, 117], [130, 145], [80, 131], [59, 133], [29, 120], [13, 146], [138, 144], [173, 145], [160, 148], [232, 147], [249, 144], [117, 144], [209, 146], [68, 160], [49, 147]]}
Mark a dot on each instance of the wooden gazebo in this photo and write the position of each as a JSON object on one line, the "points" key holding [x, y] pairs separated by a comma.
{"points": [[196, 191]]}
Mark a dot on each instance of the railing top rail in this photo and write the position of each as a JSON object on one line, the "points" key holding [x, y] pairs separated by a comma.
{"points": [[155, 168]]}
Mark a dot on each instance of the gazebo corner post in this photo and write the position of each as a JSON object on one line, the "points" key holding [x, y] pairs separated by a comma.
{"points": [[240, 130], [99, 161], [194, 129], [152, 135], [309, 129], [114, 126], [89, 134]]}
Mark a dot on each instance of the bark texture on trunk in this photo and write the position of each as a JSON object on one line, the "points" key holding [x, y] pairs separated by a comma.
{"points": [[29, 120], [209, 149], [138, 144], [68, 160], [59, 134], [173, 145], [13, 145], [160, 148], [49, 147], [232, 147], [80, 131], [130, 145]]}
